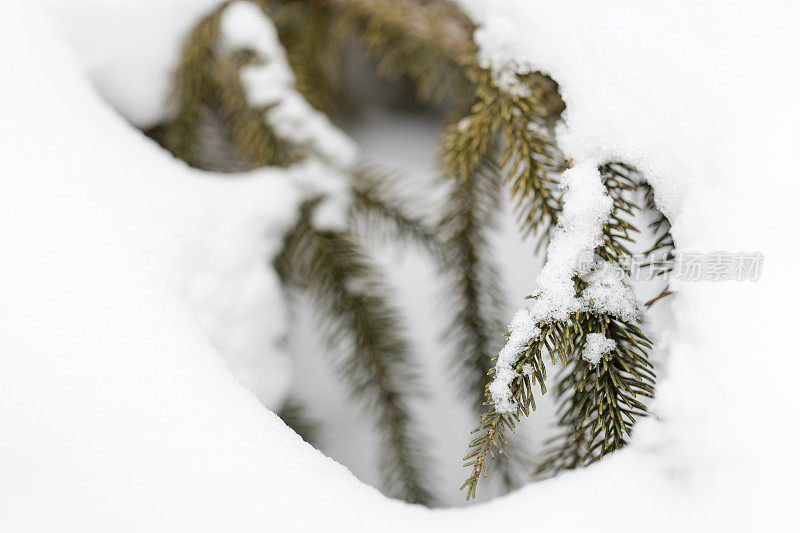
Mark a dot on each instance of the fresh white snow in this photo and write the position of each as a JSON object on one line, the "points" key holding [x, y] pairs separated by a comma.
{"points": [[597, 345], [118, 410], [607, 292], [586, 208]]}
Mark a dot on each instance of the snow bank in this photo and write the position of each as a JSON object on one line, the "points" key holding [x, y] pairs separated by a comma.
{"points": [[129, 48], [125, 274], [117, 414]]}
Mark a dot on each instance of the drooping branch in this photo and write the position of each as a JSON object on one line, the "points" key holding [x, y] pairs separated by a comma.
{"points": [[356, 315], [590, 321]]}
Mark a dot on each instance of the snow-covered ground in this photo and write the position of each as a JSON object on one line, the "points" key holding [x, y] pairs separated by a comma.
{"points": [[117, 412]]}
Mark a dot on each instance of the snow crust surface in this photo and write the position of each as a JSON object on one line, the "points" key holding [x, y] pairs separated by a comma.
{"points": [[117, 411]]}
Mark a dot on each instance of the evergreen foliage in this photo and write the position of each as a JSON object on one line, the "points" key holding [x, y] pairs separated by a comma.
{"points": [[499, 141], [250, 134], [661, 254], [194, 90], [380, 208], [208, 85], [354, 310], [331, 266], [316, 46], [474, 287], [598, 403]]}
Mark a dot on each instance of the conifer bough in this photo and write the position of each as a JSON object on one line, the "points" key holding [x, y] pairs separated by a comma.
{"points": [[499, 140]]}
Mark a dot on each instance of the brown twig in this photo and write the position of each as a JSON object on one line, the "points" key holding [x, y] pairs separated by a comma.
{"points": [[657, 298]]}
